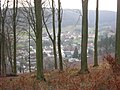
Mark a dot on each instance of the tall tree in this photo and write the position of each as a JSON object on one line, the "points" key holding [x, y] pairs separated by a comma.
{"points": [[96, 36], [84, 66], [29, 52], [15, 3], [9, 48], [59, 35], [53, 39], [3, 46], [0, 36], [54, 34], [117, 47], [3, 18], [39, 51]]}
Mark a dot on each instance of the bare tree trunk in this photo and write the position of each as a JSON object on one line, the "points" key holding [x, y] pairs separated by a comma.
{"points": [[29, 52], [0, 36], [9, 49], [3, 48], [0, 55], [59, 36], [117, 47], [14, 30], [54, 34], [39, 51], [96, 36], [10, 54], [84, 65], [15, 2], [3, 17]]}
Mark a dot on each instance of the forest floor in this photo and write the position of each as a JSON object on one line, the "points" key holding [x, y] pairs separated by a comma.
{"points": [[99, 78]]}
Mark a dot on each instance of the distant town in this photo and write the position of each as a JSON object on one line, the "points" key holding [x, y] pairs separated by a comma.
{"points": [[69, 41]]}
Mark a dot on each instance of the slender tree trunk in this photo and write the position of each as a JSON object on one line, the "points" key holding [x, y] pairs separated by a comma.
{"points": [[59, 36], [14, 30], [0, 36], [10, 53], [3, 49], [39, 53], [0, 55], [29, 52], [96, 36], [117, 48], [54, 34], [84, 65], [9, 50], [3, 63]]}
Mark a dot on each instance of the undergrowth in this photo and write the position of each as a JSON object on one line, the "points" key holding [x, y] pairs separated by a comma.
{"points": [[104, 77], [115, 67]]}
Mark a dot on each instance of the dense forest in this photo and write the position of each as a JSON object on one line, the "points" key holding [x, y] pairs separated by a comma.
{"points": [[46, 47]]}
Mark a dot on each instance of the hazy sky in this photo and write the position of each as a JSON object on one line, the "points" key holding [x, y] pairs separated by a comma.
{"points": [[110, 5]]}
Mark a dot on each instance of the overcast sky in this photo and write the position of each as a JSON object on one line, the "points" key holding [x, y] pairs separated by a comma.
{"points": [[110, 5]]}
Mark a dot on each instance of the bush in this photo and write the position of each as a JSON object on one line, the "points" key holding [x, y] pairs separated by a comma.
{"points": [[114, 80], [113, 64]]}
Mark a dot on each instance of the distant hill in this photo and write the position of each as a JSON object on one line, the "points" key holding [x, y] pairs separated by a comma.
{"points": [[70, 17]]}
